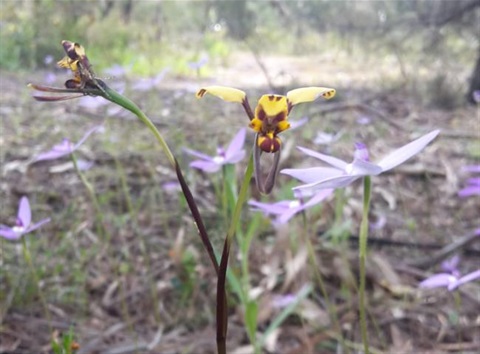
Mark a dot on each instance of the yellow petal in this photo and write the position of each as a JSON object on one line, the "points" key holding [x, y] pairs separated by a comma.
{"points": [[309, 94], [225, 93], [271, 106], [283, 125]]}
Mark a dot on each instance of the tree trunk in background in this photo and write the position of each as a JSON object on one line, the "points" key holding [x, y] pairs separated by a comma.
{"points": [[474, 80]]}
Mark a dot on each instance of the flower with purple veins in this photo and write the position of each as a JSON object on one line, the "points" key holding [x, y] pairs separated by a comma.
{"points": [[66, 147], [23, 224], [342, 173], [232, 155], [286, 209]]}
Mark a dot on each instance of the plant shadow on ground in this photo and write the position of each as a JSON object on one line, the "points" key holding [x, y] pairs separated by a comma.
{"points": [[145, 281]]}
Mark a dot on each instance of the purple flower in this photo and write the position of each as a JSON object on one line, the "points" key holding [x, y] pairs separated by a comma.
{"points": [[197, 65], [66, 147], [342, 173], [451, 265], [286, 209], [294, 124], [232, 155], [116, 70], [473, 184], [451, 282], [150, 83], [23, 225], [324, 138], [476, 96]]}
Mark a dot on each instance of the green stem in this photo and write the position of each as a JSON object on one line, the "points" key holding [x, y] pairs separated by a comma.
{"points": [[367, 185], [222, 311], [124, 102], [91, 193], [28, 258]]}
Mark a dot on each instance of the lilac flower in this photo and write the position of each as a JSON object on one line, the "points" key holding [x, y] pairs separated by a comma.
{"points": [[286, 209], [473, 184], [294, 124], [197, 65], [23, 224], [150, 83], [232, 155], [343, 173], [364, 120], [324, 138], [451, 265], [451, 282], [116, 70], [282, 301], [66, 147], [476, 96]]}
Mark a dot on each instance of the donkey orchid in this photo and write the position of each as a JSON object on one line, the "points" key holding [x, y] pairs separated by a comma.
{"points": [[268, 120], [84, 81]]}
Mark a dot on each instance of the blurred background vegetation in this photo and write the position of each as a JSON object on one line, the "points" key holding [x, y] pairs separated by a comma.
{"points": [[413, 37], [405, 61]]}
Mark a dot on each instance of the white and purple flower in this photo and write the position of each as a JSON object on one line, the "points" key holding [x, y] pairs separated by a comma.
{"points": [[211, 164], [342, 173], [23, 224]]}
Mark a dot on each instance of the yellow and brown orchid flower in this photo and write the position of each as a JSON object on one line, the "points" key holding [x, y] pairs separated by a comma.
{"points": [[268, 120], [84, 81]]}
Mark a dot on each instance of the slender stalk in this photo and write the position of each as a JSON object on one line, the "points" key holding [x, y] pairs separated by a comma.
{"points": [[91, 192], [367, 185], [28, 258], [222, 310], [115, 97]]}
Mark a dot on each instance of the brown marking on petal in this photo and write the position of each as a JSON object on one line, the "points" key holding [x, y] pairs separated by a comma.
{"points": [[73, 84], [280, 116], [69, 48], [201, 93], [267, 144], [329, 94], [260, 113]]}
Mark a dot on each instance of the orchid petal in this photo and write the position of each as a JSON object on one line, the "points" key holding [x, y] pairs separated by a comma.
{"points": [[468, 191], [471, 168], [236, 144], [198, 154], [85, 137], [24, 212], [294, 124], [313, 174], [404, 153], [37, 225], [9, 233], [329, 183], [228, 94], [270, 209], [363, 168], [438, 280], [206, 166], [237, 157], [309, 94], [57, 151], [465, 279], [316, 199], [340, 164]]}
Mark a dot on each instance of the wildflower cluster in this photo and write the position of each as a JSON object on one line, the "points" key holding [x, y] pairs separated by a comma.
{"points": [[268, 119]]}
